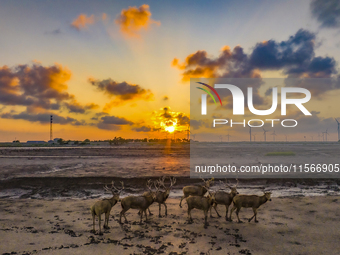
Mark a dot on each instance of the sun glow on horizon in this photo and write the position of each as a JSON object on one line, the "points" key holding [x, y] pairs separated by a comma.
{"points": [[170, 129]]}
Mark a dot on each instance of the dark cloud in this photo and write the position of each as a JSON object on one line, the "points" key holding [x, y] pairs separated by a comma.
{"points": [[43, 118], [36, 86], [54, 32], [197, 124], [327, 12], [112, 122], [115, 120], [142, 129], [295, 57], [108, 126], [122, 92], [75, 107], [182, 119]]}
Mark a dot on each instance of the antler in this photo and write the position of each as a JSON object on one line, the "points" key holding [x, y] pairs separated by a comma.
{"points": [[148, 184], [236, 182], [155, 184], [113, 188], [161, 182], [227, 184], [172, 182]]}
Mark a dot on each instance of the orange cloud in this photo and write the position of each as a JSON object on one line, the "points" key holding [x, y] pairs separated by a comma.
{"points": [[132, 20], [230, 63], [82, 21]]}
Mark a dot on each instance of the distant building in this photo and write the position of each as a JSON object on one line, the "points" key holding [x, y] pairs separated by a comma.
{"points": [[35, 142]]}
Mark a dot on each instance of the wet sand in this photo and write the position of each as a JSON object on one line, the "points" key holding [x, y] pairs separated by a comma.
{"points": [[296, 225]]}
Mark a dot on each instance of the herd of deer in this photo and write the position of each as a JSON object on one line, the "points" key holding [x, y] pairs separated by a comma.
{"points": [[198, 197]]}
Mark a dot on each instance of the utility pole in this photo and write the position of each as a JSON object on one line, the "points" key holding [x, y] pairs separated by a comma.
{"points": [[51, 121]]}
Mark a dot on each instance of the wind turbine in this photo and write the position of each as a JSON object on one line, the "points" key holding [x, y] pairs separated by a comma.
{"points": [[193, 135], [264, 133], [338, 129], [221, 137], [319, 136], [249, 133], [273, 134], [228, 136], [326, 133]]}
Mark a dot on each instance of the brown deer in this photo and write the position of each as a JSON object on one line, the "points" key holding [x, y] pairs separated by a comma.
{"points": [[224, 198], [105, 206], [196, 190], [137, 202], [249, 201], [201, 203], [162, 196]]}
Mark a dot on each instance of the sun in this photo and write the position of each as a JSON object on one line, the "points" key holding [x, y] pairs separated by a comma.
{"points": [[170, 129]]}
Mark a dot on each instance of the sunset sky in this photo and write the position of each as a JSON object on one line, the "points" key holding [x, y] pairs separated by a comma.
{"points": [[123, 68]]}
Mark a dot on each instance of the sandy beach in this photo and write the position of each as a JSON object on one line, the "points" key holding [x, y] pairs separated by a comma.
{"points": [[300, 225], [46, 195]]}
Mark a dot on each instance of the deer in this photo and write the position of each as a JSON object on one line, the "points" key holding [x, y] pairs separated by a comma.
{"points": [[247, 201], [137, 202], [201, 203], [161, 196], [196, 190], [224, 198], [105, 206]]}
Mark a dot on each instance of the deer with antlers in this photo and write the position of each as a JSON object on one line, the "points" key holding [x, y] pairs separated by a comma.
{"points": [[162, 196], [196, 190], [224, 198], [105, 206], [247, 201], [138, 202]]}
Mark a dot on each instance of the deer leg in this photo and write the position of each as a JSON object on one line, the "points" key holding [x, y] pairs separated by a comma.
{"points": [[166, 209], [180, 203], [255, 212], [237, 211], [206, 218], [159, 212], [231, 211], [99, 219], [141, 216], [120, 218], [215, 207], [189, 215], [106, 222], [94, 222], [146, 216], [226, 211], [149, 211]]}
